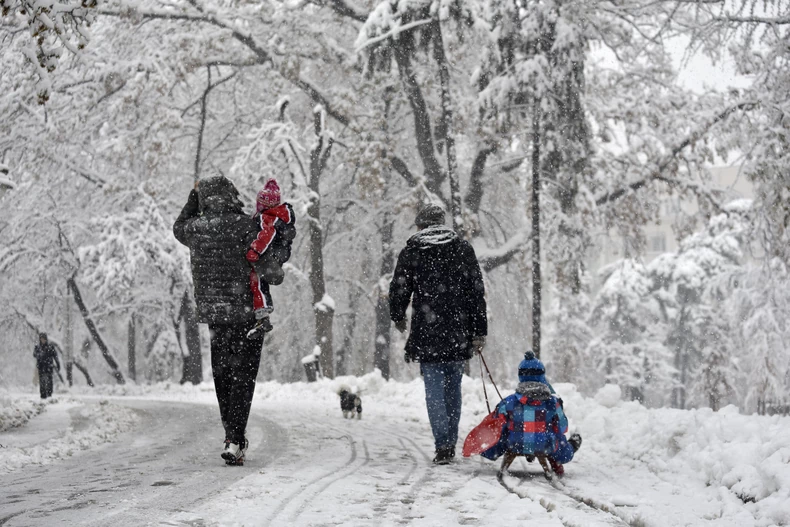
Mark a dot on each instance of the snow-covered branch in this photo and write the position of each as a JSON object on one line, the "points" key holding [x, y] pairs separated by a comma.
{"points": [[659, 173]]}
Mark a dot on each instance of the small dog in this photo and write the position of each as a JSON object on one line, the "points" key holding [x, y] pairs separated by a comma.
{"points": [[350, 403]]}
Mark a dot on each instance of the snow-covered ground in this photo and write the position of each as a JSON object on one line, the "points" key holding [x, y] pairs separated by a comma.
{"points": [[66, 427], [309, 466]]}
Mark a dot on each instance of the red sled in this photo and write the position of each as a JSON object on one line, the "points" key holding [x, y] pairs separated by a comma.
{"points": [[485, 435]]}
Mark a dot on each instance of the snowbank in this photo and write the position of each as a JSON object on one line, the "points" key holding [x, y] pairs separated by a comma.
{"points": [[104, 421], [745, 456], [15, 412]]}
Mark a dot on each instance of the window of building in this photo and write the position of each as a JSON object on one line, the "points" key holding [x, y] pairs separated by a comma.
{"points": [[658, 243]]}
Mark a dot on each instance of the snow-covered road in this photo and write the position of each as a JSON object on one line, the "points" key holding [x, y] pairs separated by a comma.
{"points": [[309, 466], [162, 466]]}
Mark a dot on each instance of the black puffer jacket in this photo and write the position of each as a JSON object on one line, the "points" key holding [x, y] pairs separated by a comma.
{"points": [[218, 233], [439, 273]]}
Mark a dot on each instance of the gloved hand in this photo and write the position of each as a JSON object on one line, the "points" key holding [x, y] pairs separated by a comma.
{"points": [[400, 325], [193, 198], [478, 343], [408, 357], [193, 203]]}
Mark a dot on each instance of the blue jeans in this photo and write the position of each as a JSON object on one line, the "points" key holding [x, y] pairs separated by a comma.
{"points": [[443, 399]]}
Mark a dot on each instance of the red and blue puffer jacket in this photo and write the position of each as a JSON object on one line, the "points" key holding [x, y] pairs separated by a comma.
{"points": [[534, 422]]}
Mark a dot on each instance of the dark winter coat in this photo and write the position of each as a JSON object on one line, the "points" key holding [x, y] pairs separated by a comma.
{"points": [[218, 233], [439, 273], [46, 357]]}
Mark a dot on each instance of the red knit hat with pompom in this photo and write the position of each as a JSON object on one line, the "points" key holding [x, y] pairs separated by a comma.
{"points": [[269, 196]]}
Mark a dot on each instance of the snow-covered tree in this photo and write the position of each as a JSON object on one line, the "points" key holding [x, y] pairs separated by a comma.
{"points": [[758, 315], [630, 327], [693, 288]]}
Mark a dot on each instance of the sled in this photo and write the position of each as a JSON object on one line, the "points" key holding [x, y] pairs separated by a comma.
{"points": [[509, 457], [485, 435]]}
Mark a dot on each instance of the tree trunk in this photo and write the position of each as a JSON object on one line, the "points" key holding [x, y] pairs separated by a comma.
{"points": [[131, 346], [323, 308], [77, 364], [536, 283], [344, 354], [192, 368], [106, 353], [681, 351], [447, 127], [68, 344], [422, 122], [383, 340]]}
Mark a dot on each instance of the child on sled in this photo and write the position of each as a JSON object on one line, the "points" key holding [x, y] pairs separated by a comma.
{"points": [[269, 251], [534, 422]]}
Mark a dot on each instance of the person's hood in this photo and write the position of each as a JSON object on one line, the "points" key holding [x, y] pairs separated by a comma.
{"points": [[218, 194], [534, 390], [433, 236], [219, 204]]}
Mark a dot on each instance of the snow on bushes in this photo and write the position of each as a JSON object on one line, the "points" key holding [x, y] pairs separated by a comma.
{"points": [[106, 422], [16, 412]]}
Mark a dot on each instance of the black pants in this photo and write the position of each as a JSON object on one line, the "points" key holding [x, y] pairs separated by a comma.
{"points": [[45, 383], [234, 361]]}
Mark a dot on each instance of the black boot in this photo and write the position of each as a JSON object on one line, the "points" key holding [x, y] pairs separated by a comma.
{"points": [[444, 456]]}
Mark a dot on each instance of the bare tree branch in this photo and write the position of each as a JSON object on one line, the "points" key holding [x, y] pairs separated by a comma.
{"points": [[342, 8], [399, 165], [754, 20]]}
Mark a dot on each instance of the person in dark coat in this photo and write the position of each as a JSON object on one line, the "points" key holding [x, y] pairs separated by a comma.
{"points": [[46, 359], [218, 234], [439, 274]]}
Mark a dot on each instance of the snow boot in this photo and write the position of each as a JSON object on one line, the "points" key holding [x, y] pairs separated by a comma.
{"points": [[262, 325], [233, 453], [575, 442], [557, 468], [444, 456]]}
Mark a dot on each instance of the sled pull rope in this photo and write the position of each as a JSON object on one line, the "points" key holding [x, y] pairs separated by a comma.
{"points": [[490, 377], [482, 378]]}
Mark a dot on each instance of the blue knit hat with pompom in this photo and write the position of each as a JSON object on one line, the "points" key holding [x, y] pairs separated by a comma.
{"points": [[531, 369]]}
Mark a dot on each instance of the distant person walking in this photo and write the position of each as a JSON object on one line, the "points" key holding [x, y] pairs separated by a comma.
{"points": [[46, 359], [218, 234], [438, 272]]}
